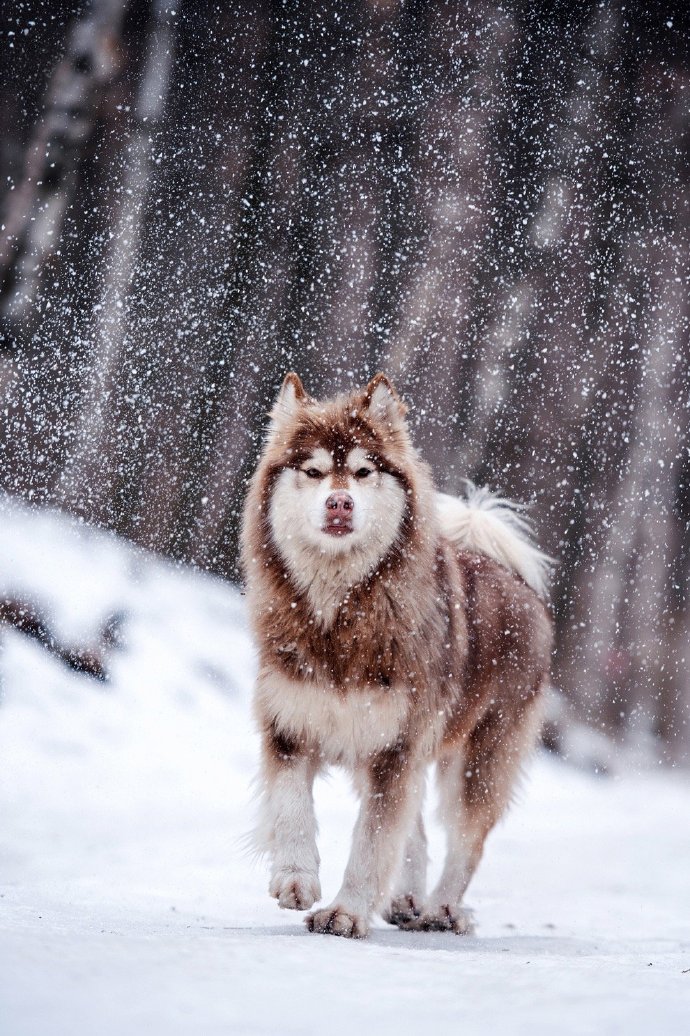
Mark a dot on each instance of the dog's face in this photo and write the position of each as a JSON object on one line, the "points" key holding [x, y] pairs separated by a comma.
{"points": [[338, 486]]}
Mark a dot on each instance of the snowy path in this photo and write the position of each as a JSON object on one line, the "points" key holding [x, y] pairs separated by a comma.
{"points": [[128, 906]]}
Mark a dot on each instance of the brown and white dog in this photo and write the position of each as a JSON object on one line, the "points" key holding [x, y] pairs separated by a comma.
{"points": [[396, 627]]}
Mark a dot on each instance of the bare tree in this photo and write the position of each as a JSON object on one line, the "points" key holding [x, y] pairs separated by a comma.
{"points": [[91, 475], [30, 237]]}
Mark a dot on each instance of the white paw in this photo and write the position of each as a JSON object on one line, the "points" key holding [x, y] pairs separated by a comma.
{"points": [[295, 890], [442, 918], [338, 920]]}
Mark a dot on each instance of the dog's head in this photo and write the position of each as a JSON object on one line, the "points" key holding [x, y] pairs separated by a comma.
{"points": [[338, 475]]}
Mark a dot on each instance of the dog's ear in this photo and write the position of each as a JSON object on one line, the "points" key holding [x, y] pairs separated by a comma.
{"points": [[382, 401], [291, 398]]}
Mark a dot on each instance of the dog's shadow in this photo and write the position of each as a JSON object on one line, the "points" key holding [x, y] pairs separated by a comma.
{"points": [[394, 939]]}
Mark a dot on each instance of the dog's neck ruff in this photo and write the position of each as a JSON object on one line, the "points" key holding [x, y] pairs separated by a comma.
{"points": [[327, 581]]}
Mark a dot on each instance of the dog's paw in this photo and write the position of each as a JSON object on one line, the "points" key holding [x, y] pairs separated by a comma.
{"points": [[338, 920], [443, 918], [402, 910], [295, 890]]}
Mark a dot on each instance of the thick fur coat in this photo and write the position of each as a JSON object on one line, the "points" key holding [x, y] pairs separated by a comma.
{"points": [[396, 627]]}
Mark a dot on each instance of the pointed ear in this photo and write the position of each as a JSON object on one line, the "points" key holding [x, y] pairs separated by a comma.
{"points": [[291, 398], [382, 401]]}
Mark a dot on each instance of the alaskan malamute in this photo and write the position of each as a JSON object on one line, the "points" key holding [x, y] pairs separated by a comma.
{"points": [[396, 627]]}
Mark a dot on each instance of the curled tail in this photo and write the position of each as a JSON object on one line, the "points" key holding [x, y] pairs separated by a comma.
{"points": [[495, 526]]}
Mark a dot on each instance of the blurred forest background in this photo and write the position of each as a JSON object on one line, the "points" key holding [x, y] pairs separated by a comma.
{"points": [[487, 200]]}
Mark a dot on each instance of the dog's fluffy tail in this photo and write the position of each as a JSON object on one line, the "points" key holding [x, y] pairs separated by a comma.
{"points": [[495, 526]]}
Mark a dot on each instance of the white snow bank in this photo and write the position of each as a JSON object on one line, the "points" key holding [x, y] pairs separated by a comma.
{"points": [[128, 907]]}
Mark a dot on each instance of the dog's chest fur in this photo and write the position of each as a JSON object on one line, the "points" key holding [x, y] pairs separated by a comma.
{"points": [[339, 727], [382, 635]]}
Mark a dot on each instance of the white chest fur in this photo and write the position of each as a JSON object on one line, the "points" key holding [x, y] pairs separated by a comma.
{"points": [[342, 727]]}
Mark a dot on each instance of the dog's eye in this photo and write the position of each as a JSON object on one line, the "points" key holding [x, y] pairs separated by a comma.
{"points": [[312, 473], [363, 473]]}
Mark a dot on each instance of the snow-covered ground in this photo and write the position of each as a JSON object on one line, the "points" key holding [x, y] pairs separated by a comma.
{"points": [[129, 906]]}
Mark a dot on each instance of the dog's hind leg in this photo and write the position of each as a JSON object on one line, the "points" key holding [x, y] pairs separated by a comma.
{"points": [[475, 788], [410, 885]]}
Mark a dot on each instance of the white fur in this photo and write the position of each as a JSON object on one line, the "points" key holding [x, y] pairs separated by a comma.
{"points": [[495, 526], [410, 884], [377, 844], [320, 459], [324, 566], [345, 728], [383, 406], [287, 405], [288, 830], [357, 459]]}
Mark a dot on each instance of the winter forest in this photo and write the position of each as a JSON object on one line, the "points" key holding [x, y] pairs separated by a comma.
{"points": [[487, 201]]}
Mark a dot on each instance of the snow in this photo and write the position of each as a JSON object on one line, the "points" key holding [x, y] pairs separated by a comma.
{"points": [[129, 904]]}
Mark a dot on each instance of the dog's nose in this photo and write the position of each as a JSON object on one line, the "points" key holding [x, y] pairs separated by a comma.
{"points": [[339, 504]]}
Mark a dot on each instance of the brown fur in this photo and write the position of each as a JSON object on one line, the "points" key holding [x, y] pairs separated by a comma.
{"points": [[459, 644]]}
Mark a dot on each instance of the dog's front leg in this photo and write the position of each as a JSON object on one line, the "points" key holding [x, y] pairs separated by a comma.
{"points": [[287, 830], [390, 799]]}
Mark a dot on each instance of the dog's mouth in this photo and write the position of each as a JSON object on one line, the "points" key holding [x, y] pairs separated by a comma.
{"points": [[338, 527]]}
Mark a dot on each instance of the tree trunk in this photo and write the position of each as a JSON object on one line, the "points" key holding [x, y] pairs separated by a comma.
{"points": [[94, 479], [34, 218]]}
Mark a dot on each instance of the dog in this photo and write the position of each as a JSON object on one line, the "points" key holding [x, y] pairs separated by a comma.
{"points": [[396, 627]]}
